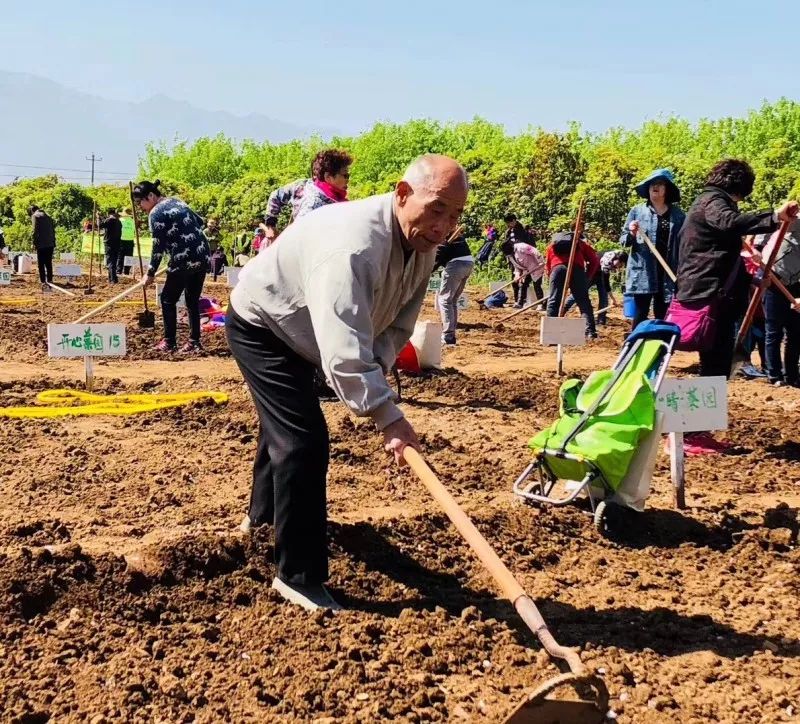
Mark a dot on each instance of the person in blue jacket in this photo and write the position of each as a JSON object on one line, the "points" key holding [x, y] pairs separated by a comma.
{"points": [[660, 218]]}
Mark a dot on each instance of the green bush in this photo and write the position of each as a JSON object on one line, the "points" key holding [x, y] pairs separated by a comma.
{"points": [[539, 175]]}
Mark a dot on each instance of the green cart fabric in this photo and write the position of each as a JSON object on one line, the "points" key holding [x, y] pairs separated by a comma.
{"points": [[612, 434]]}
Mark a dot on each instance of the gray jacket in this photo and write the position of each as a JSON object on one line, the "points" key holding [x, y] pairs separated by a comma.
{"points": [[339, 289]]}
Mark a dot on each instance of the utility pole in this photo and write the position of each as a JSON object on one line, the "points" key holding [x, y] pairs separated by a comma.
{"points": [[94, 159]]}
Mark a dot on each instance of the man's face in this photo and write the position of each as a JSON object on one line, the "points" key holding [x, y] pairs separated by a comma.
{"points": [[427, 216]]}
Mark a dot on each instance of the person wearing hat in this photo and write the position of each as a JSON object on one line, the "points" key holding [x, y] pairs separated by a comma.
{"points": [[646, 280]]}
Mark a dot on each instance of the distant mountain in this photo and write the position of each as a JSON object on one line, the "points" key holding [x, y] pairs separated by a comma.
{"points": [[43, 123]]}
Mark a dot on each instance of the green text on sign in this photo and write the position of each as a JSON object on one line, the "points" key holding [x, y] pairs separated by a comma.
{"points": [[80, 340]]}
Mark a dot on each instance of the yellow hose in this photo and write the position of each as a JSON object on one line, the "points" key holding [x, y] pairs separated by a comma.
{"points": [[60, 402]]}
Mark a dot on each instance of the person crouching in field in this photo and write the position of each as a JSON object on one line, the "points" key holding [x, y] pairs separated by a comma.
{"points": [[586, 265], [528, 269], [178, 232]]}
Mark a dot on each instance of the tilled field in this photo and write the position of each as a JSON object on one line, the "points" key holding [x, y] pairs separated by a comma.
{"points": [[126, 596]]}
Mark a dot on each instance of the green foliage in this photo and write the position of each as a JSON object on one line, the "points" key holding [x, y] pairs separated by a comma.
{"points": [[539, 175]]}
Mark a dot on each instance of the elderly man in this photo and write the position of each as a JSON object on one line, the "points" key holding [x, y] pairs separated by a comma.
{"points": [[340, 290]]}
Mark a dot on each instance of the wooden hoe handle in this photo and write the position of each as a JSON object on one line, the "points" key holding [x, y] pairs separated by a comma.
{"points": [[509, 585]]}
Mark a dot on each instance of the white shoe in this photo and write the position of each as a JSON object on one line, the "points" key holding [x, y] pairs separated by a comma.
{"points": [[246, 526], [311, 598]]}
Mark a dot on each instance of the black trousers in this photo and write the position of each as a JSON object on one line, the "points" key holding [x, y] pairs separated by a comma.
{"points": [[112, 258], [189, 283], [642, 302], [125, 249], [580, 291], [44, 260], [717, 359], [291, 465]]}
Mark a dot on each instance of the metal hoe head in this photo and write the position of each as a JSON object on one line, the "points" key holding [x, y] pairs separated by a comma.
{"points": [[541, 706]]}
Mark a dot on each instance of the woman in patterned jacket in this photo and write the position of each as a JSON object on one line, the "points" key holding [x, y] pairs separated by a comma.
{"points": [[178, 232], [330, 175]]}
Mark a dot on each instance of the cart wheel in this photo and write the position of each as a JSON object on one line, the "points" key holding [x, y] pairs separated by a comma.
{"points": [[600, 522]]}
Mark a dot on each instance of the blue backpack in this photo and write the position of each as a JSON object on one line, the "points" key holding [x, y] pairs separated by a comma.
{"points": [[496, 300]]}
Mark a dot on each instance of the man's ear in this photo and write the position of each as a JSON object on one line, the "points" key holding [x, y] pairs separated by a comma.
{"points": [[402, 191]]}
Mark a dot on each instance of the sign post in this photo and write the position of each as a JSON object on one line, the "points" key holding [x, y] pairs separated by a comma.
{"points": [[5, 275], [693, 404], [86, 340]]}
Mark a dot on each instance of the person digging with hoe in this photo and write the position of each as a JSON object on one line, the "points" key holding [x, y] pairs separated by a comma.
{"points": [[178, 232], [342, 291]]}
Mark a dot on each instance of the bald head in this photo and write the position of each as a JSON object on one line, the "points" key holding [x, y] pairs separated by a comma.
{"points": [[433, 171], [429, 200]]}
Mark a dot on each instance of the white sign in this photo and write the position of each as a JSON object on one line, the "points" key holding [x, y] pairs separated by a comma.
{"points": [[434, 284], [232, 275], [5, 275], [694, 404], [133, 261], [463, 302], [181, 301], [80, 340], [67, 270], [563, 330], [67, 257]]}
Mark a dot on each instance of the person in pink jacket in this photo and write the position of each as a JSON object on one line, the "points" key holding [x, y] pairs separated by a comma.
{"points": [[528, 268]]}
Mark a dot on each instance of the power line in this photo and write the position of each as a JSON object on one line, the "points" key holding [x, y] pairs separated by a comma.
{"points": [[98, 177], [54, 168]]}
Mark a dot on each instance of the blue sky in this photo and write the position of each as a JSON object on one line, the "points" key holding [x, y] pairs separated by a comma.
{"points": [[348, 63]]}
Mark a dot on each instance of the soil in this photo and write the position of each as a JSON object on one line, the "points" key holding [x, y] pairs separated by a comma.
{"points": [[125, 594]]}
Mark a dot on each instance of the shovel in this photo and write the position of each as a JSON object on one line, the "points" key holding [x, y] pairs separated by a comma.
{"points": [[105, 305], [147, 318], [537, 707]]}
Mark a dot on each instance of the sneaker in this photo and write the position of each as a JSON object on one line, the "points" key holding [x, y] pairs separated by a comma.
{"points": [[192, 347], [518, 306], [311, 598], [449, 341], [164, 346], [778, 383], [246, 526], [591, 336], [702, 443]]}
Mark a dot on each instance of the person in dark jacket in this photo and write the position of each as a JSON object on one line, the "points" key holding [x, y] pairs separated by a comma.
{"points": [[660, 218], [709, 261], [456, 258], [783, 317], [112, 241], [178, 232], [44, 241]]}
